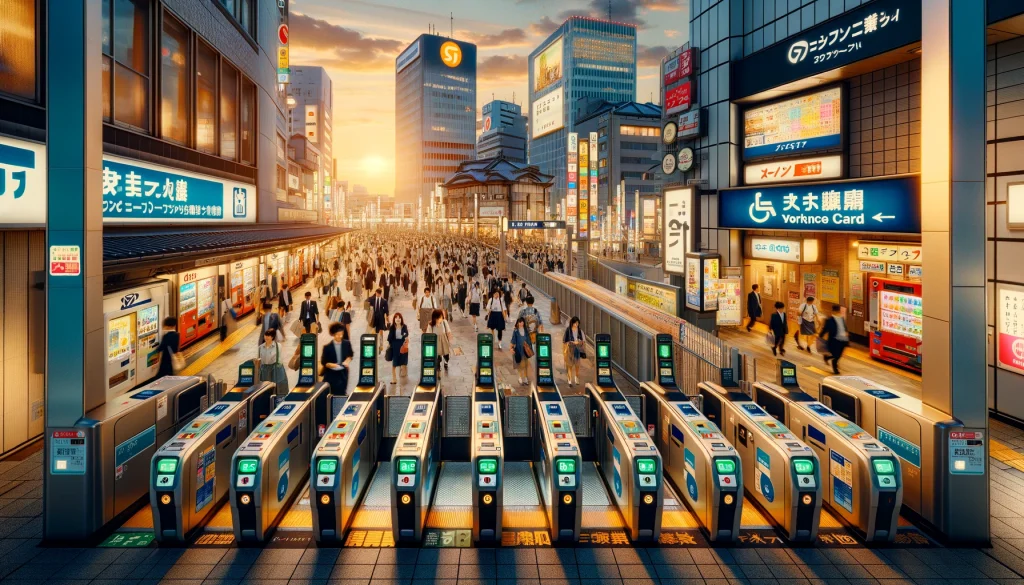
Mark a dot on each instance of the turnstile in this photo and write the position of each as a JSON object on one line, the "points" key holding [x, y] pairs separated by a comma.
{"points": [[184, 491], [486, 455], [346, 457], [103, 459], [934, 451], [270, 468], [558, 464], [698, 459], [628, 459], [783, 475], [417, 455]]}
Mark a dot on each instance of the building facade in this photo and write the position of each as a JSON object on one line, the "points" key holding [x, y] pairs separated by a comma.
{"points": [[435, 114], [502, 132], [628, 138], [583, 58], [311, 113], [483, 191]]}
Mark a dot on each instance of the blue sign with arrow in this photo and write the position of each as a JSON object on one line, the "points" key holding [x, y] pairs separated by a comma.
{"points": [[882, 205]]}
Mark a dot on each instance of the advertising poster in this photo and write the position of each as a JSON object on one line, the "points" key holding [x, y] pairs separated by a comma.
{"points": [[583, 207], [730, 302], [653, 296], [119, 344], [677, 231], [547, 113], [677, 99], [693, 277], [793, 302], [810, 285], [769, 285], [649, 225], [621, 285], [1011, 328], [710, 280], [809, 122], [572, 177], [547, 66], [857, 287], [829, 289]]}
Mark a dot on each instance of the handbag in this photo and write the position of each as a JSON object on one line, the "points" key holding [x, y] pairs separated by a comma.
{"points": [[293, 364], [821, 345], [389, 354], [405, 346], [527, 350], [769, 338], [177, 362], [297, 329]]}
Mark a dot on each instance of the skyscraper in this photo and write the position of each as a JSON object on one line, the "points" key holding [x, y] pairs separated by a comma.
{"points": [[312, 116], [583, 58], [503, 132], [435, 114]]}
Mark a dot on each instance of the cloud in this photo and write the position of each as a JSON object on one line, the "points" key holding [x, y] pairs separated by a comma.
{"points": [[629, 11], [543, 27], [650, 56], [671, 33], [347, 49], [502, 68], [510, 37]]}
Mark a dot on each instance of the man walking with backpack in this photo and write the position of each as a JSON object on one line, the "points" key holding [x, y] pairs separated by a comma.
{"points": [[531, 316]]}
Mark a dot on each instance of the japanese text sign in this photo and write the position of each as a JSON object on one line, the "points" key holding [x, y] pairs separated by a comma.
{"points": [[677, 99], [889, 252], [137, 192], [678, 229], [22, 183], [800, 124], [884, 205], [1010, 314], [679, 67], [794, 170]]}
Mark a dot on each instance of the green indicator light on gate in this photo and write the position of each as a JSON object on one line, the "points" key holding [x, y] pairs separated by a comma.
{"points": [[406, 466], [725, 466], [307, 351], [167, 465], [646, 466], [247, 465], [327, 466], [603, 350], [428, 351], [487, 466], [884, 466], [545, 351], [803, 466], [566, 466], [664, 351], [367, 351], [485, 351]]}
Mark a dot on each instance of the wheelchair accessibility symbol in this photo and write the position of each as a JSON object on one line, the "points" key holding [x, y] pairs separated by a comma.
{"points": [[761, 207]]}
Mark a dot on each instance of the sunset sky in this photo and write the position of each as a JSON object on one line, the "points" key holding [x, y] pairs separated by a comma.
{"points": [[357, 42]]}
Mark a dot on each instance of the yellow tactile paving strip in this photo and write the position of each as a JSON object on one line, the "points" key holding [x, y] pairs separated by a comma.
{"points": [[197, 367], [141, 521], [450, 517], [1005, 454], [675, 515], [601, 517], [298, 516], [523, 517], [372, 517], [827, 520], [751, 517], [221, 521]]}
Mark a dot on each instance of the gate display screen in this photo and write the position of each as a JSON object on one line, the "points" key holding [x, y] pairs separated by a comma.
{"points": [[566, 466], [167, 466], [367, 351], [307, 360], [666, 365], [247, 465], [646, 465], [544, 376], [725, 466], [428, 365], [406, 466], [487, 466], [484, 368], [327, 466], [368, 361], [604, 360], [803, 466], [787, 374]]}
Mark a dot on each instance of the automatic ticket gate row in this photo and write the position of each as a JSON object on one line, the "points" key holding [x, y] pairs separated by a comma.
{"points": [[863, 484], [122, 436], [184, 491], [270, 468]]}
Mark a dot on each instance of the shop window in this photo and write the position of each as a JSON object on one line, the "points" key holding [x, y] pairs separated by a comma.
{"points": [[18, 65], [229, 112], [126, 62], [174, 81], [248, 122], [206, 99]]}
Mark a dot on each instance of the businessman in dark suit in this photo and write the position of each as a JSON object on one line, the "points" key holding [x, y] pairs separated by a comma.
{"points": [[753, 307], [379, 318], [779, 327], [270, 320], [309, 312], [335, 359]]}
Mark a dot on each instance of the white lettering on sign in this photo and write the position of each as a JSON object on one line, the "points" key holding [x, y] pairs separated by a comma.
{"points": [[1010, 313], [843, 39]]}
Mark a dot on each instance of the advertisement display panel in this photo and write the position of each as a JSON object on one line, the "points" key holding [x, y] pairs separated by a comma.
{"points": [[22, 183], [678, 229], [572, 179], [1010, 313], [794, 170], [677, 99], [678, 67], [801, 124], [547, 66], [547, 114]]}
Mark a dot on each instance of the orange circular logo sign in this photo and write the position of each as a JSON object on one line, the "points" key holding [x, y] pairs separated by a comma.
{"points": [[451, 54]]}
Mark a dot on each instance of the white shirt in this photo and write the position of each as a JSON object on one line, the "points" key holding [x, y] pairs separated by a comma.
{"points": [[841, 332], [269, 355]]}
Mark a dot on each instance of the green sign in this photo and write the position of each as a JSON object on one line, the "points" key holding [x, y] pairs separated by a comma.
{"points": [[128, 540], [646, 465], [428, 351], [566, 466], [884, 466], [725, 466], [368, 351], [247, 465], [307, 351], [803, 466], [327, 466], [167, 465], [603, 351], [487, 466], [406, 466], [545, 350], [664, 351]]}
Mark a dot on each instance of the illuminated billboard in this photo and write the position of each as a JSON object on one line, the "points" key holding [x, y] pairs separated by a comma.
{"points": [[796, 125], [547, 114], [547, 66]]}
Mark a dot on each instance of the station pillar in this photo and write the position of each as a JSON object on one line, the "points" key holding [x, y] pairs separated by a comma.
{"points": [[953, 239], [75, 380]]}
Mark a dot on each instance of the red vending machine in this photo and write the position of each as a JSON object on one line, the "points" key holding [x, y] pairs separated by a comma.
{"points": [[188, 315], [896, 320]]}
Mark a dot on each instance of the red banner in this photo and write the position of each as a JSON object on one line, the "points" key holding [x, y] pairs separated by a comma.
{"points": [[680, 67], [677, 99]]}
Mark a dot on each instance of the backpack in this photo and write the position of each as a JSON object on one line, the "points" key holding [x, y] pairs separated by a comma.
{"points": [[531, 321]]}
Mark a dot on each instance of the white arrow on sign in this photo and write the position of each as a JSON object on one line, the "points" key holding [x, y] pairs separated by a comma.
{"points": [[879, 217]]}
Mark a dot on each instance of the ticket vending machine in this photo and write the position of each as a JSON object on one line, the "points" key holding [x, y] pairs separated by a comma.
{"points": [[896, 321], [270, 468], [346, 457], [558, 464], [698, 459], [863, 485], [782, 474], [417, 456], [184, 491], [629, 460], [486, 453]]}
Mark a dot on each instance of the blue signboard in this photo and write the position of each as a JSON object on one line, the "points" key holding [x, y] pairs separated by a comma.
{"points": [[903, 448], [883, 205], [137, 192]]}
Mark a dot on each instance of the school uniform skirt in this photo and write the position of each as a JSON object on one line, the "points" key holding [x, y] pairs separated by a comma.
{"points": [[496, 321]]}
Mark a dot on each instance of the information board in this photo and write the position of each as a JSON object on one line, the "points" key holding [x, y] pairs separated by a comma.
{"points": [[801, 124]]}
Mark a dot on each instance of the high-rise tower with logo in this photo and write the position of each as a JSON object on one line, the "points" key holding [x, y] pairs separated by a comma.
{"points": [[583, 58], [435, 114]]}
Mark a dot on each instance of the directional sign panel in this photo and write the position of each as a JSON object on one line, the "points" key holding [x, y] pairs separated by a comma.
{"points": [[883, 205], [536, 225]]}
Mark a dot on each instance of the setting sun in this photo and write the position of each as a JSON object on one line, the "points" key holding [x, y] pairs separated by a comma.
{"points": [[374, 165]]}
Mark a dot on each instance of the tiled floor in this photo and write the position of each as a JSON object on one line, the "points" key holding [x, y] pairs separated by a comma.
{"points": [[23, 561]]}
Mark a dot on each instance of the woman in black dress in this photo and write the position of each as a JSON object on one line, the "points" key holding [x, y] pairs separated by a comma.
{"points": [[398, 336]]}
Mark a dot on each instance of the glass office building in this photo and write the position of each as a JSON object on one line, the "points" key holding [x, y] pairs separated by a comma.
{"points": [[435, 114], [583, 58]]}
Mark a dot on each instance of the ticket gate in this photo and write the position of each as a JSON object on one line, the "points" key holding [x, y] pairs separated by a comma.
{"points": [[417, 455], [184, 491], [101, 459], [271, 466], [346, 457], [486, 455], [558, 465], [783, 475], [933, 450], [628, 459], [698, 459], [863, 485]]}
